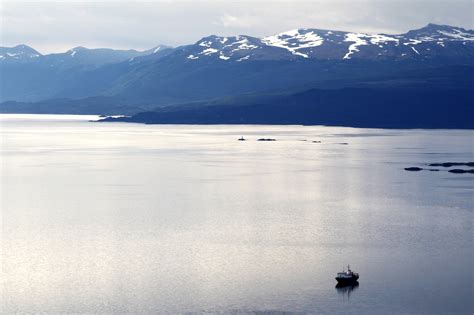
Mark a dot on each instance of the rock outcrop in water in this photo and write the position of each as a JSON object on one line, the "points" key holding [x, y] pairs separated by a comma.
{"points": [[450, 164], [413, 169], [446, 165], [461, 171]]}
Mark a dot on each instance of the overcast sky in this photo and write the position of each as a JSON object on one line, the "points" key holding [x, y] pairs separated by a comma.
{"points": [[56, 26]]}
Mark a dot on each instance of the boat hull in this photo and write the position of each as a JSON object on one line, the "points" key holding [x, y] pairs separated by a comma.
{"points": [[347, 286], [345, 281]]}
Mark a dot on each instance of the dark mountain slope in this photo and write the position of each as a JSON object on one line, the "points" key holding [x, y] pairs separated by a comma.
{"points": [[79, 72], [355, 107], [99, 105], [434, 97]]}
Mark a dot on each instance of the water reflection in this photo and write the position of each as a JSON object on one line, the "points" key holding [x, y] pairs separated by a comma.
{"points": [[346, 289], [196, 223]]}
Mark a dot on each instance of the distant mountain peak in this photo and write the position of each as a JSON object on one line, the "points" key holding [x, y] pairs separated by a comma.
{"points": [[18, 53], [22, 46], [73, 51], [155, 50], [79, 48], [434, 26], [236, 48], [440, 34]]}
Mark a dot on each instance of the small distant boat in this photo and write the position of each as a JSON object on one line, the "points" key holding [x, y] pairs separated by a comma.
{"points": [[347, 277], [242, 139]]}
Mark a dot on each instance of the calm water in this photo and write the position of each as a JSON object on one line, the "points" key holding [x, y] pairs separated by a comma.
{"points": [[126, 218]]}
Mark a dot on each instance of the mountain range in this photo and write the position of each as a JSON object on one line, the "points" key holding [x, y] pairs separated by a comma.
{"points": [[236, 76]]}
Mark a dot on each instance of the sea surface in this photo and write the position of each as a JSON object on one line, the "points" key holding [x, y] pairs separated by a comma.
{"points": [[130, 218]]}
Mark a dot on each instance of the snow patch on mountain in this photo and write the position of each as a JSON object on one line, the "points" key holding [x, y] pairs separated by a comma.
{"points": [[458, 34], [225, 48], [205, 44], [221, 56], [413, 42], [381, 39], [243, 44], [295, 40], [243, 58], [357, 40], [209, 51]]}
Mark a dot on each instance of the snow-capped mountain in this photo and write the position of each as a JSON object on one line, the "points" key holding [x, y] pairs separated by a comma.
{"points": [[235, 48], [20, 52], [218, 66], [428, 42]]}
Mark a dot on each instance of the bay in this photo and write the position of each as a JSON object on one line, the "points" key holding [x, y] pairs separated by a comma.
{"points": [[130, 218]]}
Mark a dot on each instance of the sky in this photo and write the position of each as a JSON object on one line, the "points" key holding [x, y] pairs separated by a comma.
{"points": [[56, 26]]}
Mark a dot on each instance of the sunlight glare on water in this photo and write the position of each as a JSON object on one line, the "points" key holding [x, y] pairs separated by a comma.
{"points": [[129, 218]]}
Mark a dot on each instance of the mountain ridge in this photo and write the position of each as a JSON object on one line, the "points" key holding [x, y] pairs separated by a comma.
{"points": [[216, 69], [330, 44], [305, 38]]}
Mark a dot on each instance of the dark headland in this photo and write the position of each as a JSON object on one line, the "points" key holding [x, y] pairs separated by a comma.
{"points": [[354, 107]]}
